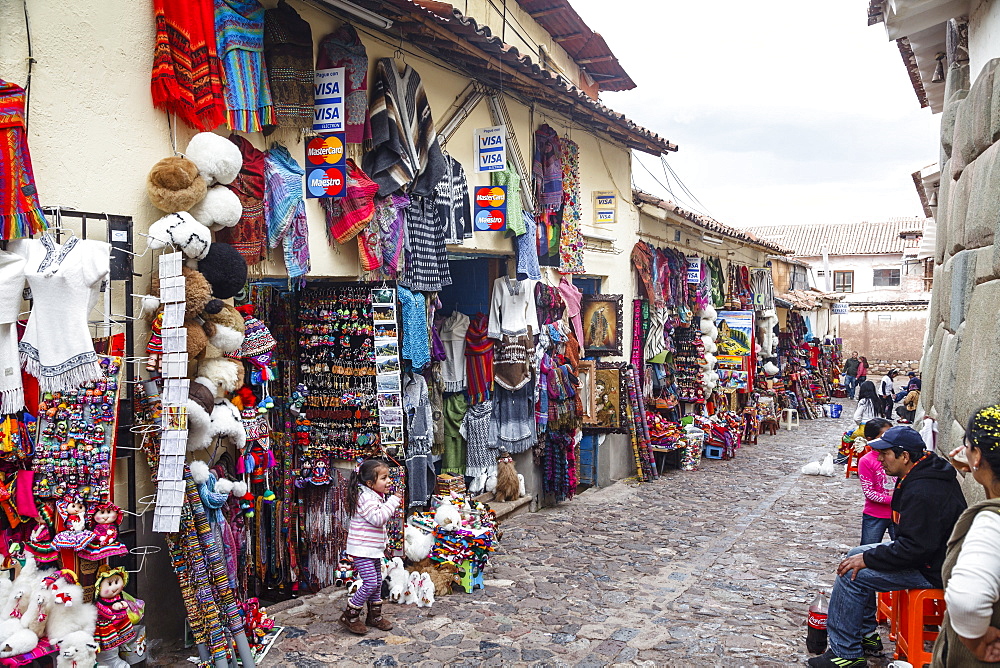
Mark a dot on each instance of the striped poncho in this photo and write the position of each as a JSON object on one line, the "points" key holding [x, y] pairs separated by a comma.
{"points": [[239, 29], [479, 359], [285, 210], [20, 211]]}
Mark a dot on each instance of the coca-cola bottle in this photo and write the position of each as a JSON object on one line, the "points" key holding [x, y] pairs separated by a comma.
{"points": [[816, 635]]}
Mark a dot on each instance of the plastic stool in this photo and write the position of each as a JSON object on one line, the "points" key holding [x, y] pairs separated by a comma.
{"points": [[786, 417], [917, 608], [887, 605], [713, 452], [853, 459]]}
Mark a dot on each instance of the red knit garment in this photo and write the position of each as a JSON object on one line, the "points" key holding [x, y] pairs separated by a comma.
{"points": [[187, 75], [249, 236]]}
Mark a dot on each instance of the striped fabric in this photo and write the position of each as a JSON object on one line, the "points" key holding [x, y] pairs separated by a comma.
{"points": [[20, 211], [479, 360], [249, 236], [284, 209], [426, 267], [239, 28], [366, 533], [453, 204], [288, 56]]}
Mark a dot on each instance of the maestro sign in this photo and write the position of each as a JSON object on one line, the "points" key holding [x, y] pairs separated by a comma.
{"points": [[490, 209], [326, 173]]}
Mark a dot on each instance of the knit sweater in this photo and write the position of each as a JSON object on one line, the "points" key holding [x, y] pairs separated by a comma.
{"points": [[512, 308], [366, 533]]}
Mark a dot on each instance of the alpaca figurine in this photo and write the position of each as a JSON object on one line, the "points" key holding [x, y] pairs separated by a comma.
{"points": [[398, 580], [76, 650], [447, 515], [69, 614], [19, 597], [507, 484], [417, 543], [425, 591], [412, 593]]}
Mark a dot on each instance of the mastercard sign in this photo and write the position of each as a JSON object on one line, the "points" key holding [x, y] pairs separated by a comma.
{"points": [[325, 182], [325, 150], [490, 208]]}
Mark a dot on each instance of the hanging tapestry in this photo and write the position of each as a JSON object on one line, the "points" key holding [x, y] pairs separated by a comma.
{"points": [[20, 211], [239, 27], [571, 234]]}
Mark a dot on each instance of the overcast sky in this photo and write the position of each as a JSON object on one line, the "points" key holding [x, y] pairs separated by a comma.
{"points": [[784, 112]]}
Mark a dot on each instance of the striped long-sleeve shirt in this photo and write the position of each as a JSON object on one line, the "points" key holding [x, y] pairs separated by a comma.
{"points": [[366, 534]]}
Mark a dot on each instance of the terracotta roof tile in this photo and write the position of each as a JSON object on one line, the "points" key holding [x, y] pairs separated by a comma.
{"points": [[842, 238]]}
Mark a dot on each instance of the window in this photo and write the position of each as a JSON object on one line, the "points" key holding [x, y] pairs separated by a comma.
{"points": [[885, 278], [843, 281]]}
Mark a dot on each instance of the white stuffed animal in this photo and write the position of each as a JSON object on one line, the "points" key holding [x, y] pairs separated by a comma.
{"points": [[18, 598], [354, 586], [425, 591], [183, 232], [491, 482], [447, 515], [398, 580], [77, 650], [478, 484], [220, 208], [218, 159], [227, 423], [520, 486], [25, 639], [417, 543], [70, 614], [412, 593]]}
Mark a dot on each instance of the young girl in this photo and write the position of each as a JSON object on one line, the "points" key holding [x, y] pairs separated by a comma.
{"points": [[868, 403], [366, 542], [876, 518]]}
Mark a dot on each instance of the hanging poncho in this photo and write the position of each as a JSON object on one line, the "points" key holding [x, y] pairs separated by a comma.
{"points": [[239, 28], [288, 53], [187, 75], [453, 204], [285, 211], [571, 234], [343, 48], [481, 440], [20, 212], [427, 267], [249, 236]]}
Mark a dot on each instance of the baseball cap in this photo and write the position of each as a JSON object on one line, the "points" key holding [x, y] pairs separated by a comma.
{"points": [[912, 373], [899, 436]]}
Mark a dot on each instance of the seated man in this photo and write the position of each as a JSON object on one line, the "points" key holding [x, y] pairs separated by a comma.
{"points": [[925, 505]]}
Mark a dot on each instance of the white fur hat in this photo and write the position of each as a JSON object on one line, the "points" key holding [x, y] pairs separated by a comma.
{"points": [[218, 159], [220, 208], [183, 232]]}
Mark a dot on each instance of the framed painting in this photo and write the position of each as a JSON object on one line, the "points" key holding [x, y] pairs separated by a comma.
{"points": [[602, 324], [585, 387], [608, 415]]}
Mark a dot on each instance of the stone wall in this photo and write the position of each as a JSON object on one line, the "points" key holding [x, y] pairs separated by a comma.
{"points": [[962, 351]]}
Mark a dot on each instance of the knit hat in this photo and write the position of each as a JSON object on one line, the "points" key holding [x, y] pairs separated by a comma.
{"points": [[258, 342], [347, 216]]}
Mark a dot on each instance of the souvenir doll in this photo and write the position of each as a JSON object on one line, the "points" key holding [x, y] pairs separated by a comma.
{"points": [[115, 628], [74, 535], [105, 519], [39, 544]]}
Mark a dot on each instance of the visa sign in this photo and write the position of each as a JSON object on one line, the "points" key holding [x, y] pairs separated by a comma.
{"points": [[328, 100], [491, 149]]}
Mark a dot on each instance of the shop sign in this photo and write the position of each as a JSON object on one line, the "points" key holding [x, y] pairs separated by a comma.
{"points": [[735, 344], [326, 173], [328, 100], [491, 149], [694, 270], [605, 207], [841, 309], [490, 209]]}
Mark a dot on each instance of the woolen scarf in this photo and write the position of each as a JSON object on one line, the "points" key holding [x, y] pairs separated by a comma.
{"points": [[285, 210], [239, 28], [453, 456], [187, 75], [343, 48], [347, 216], [12, 284], [288, 52], [479, 359], [249, 236], [20, 212]]}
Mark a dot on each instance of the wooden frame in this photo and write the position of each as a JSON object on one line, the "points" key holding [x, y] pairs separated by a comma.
{"points": [[609, 413], [602, 324], [585, 387]]}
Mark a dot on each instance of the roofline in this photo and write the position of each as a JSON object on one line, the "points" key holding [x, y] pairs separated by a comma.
{"points": [[918, 182]]}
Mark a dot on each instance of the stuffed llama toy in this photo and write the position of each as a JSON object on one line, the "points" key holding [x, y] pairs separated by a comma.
{"points": [[425, 591], [417, 543], [17, 600], [77, 650], [412, 593], [25, 639], [398, 579], [70, 614], [447, 515]]}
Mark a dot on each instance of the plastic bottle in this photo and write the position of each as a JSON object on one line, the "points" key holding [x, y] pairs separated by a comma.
{"points": [[816, 623]]}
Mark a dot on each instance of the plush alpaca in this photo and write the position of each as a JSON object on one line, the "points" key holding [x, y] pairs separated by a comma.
{"points": [[412, 593], [354, 586], [398, 579], [417, 543], [521, 491], [200, 405], [225, 374], [70, 614], [425, 591], [507, 484], [227, 423], [447, 515], [18, 598], [76, 650], [491, 482], [33, 622], [225, 326]]}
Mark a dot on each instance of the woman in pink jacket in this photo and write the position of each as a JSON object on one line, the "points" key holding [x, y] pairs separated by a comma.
{"points": [[877, 486]]}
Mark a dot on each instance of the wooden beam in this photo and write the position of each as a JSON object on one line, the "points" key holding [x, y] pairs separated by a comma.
{"points": [[548, 11], [567, 37], [590, 61]]}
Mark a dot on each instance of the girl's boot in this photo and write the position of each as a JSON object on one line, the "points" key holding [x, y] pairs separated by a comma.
{"points": [[351, 620], [375, 617]]}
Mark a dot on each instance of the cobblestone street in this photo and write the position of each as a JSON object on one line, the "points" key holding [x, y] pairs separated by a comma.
{"points": [[710, 568]]}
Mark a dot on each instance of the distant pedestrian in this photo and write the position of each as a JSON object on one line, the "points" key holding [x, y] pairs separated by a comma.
{"points": [[370, 511], [863, 370], [869, 403], [877, 487], [908, 411], [851, 374], [887, 392]]}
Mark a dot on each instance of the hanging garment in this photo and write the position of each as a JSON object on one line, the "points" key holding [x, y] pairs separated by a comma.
{"points": [[718, 282], [414, 315], [549, 304], [512, 308], [249, 236], [453, 204], [390, 222], [762, 286], [511, 361], [453, 331], [643, 260], [510, 178], [406, 153], [343, 48], [11, 287], [479, 359], [453, 455], [480, 439], [187, 75], [65, 282], [547, 170], [239, 28], [288, 55], [571, 242], [573, 297], [514, 419], [285, 211], [419, 428], [527, 251], [427, 267], [348, 215], [20, 212]]}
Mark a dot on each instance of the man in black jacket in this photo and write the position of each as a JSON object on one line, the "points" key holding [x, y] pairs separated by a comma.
{"points": [[851, 374], [925, 506]]}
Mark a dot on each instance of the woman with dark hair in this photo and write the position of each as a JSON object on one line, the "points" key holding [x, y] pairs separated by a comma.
{"points": [[970, 633], [869, 403]]}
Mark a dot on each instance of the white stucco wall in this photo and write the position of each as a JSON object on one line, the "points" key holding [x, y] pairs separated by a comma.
{"points": [[984, 35]]}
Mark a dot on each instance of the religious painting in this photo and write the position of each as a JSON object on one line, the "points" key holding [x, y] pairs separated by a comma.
{"points": [[585, 388], [602, 324], [607, 398]]}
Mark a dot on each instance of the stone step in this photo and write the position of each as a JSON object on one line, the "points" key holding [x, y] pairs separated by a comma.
{"points": [[506, 509]]}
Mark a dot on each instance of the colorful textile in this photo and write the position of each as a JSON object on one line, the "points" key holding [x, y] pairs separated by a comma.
{"points": [[453, 203], [390, 214], [187, 75], [572, 297], [20, 212], [406, 154], [370, 590], [249, 236], [288, 55], [479, 360], [239, 29], [416, 346], [547, 170], [527, 250], [453, 456], [114, 628], [347, 216], [510, 178], [284, 209], [343, 48], [512, 361], [514, 418], [571, 233], [426, 267]]}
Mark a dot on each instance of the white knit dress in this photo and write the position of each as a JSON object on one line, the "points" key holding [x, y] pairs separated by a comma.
{"points": [[65, 282]]}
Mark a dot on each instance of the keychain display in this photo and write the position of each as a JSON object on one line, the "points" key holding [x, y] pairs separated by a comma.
{"points": [[76, 433]]}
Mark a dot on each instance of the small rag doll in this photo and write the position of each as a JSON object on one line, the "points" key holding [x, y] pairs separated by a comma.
{"points": [[115, 628], [105, 519], [75, 535]]}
